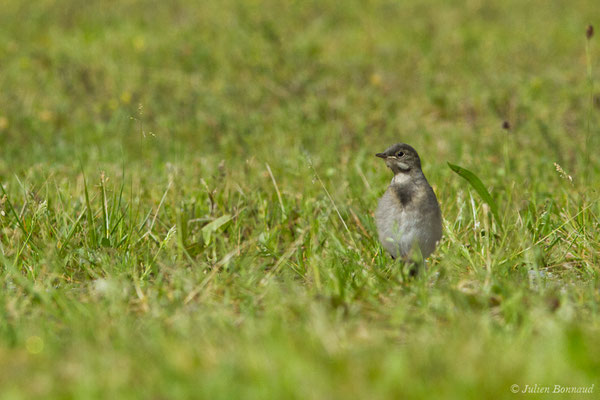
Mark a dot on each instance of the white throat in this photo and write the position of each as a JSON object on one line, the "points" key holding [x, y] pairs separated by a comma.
{"points": [[400, 178]]}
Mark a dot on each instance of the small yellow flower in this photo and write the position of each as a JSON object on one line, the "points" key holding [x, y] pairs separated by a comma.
{"points": [[139, 43], [375, 79], [126, 97], [46, 115], [3, 123], [34, 344]]}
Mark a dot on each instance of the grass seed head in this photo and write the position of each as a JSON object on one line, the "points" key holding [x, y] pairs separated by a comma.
{"points": [[562, 173], [589, 32]]}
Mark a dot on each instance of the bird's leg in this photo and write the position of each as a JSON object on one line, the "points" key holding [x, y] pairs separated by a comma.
{"points": [[413, 269], [414, 261]]}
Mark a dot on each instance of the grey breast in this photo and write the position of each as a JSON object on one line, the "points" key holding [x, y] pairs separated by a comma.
{"points": [[409, 214]]}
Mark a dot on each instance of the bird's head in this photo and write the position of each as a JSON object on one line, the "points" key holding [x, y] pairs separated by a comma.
{"points": [[401, 158]]}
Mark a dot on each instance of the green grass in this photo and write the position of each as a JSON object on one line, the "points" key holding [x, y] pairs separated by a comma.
{"points": [[190, 187]]}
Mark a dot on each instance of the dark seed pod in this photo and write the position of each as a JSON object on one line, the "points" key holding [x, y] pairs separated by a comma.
{"points": [[589, 32]]}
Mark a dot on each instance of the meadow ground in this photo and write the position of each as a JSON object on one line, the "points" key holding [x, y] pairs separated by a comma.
{"points": [[189, 191]]}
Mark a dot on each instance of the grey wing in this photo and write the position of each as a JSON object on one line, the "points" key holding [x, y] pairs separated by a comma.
{"points": [[388, 219]]}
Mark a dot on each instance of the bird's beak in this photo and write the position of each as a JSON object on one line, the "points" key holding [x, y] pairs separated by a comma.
{"points": [[381, 155]]}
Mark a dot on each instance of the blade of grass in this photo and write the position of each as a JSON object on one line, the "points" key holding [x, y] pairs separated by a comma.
{"points": [[27, 234], [112, 232], [480, 188], [162, 200], [62, 244], [17, 277], [276, 189], [590, 78], [105, 225], [12, 210], [89, 213], [333, 204]]}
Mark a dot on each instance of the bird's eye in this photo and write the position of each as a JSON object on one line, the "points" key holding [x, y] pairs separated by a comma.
{"points": [[400, 154]]}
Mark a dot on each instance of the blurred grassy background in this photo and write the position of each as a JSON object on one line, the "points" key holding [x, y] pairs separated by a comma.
{"points": [[219, 140]]}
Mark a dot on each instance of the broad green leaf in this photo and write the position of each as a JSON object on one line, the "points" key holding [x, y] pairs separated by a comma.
{"points": [[213, 226], [479, 188]]}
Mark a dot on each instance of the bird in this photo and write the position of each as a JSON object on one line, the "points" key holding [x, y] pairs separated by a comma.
{"points": [[408, 215]]}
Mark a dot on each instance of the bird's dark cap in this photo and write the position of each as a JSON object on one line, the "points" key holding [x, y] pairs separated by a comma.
{"points": [[393, 150], [401, 157]]}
